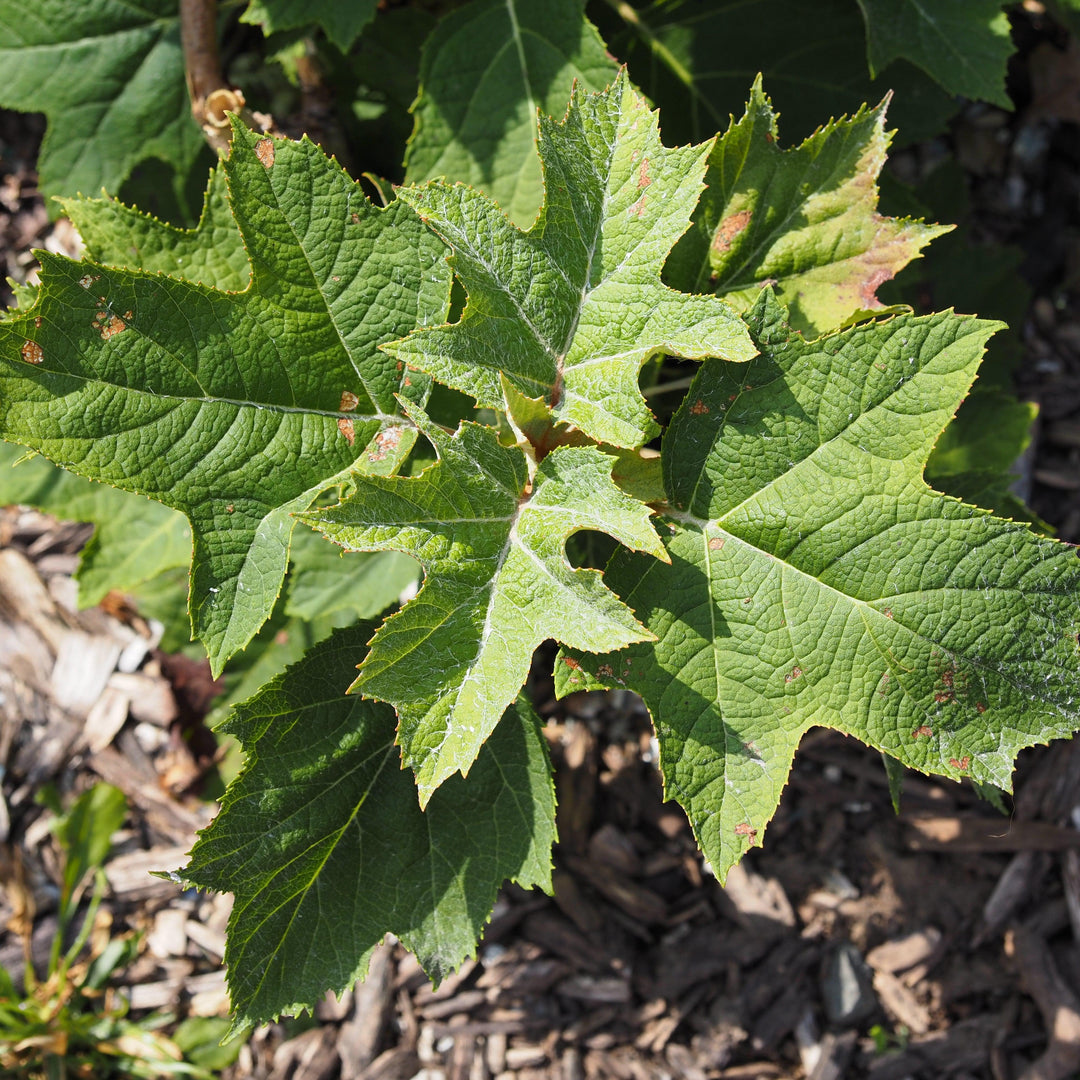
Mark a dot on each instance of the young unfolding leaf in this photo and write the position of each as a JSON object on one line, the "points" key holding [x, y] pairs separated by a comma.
{"points": [[804, 219], [815, 579], [485, 70], [491, 539], [326, 849], [236, 408], [570, 310]]}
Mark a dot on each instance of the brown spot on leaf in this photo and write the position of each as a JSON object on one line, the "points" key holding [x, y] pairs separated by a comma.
{"points": [[37, 322], [744, 828], [888, 613], [346, 428], [868, 289], [605, 671], [699, 408], [571, 663], [729, 228], [348, 401], [924, 730], [87, 280], [639, 207], [114, 326], [356, 219], [795, 673], [716, 543], [32, 352], [386, 442], [230, 508], [644, 180], [963, 764], [980, 707], [264, 151]]}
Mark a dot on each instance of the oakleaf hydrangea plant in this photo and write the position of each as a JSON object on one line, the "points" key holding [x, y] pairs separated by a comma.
{"points": [[293, 379]]}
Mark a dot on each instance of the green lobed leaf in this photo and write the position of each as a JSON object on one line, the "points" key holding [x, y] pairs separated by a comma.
{"points": [[803, 219], [110, 78], [491, 539], [134, 539], [326, 581], [236, 408], [484, 72], [695, 60], [324, 845], [212, 253], [963, 44], [815, 579], [571, 310], [341, 21]]}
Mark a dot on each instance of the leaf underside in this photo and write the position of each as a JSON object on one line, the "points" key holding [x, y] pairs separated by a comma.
{"points": [[342, 22], [815, 579]]}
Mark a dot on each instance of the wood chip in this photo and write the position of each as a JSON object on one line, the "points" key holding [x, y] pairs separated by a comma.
{"points": [[901, 1003], [83, 666], [980, 833], [905, 952], [105, 719], [1059, 1005]]}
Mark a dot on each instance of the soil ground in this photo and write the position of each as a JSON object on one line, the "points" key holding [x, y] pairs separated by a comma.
{"points": [[940, 942]]}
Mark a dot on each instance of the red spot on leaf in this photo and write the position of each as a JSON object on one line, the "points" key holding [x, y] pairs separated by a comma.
{"points": [[963, 764], [729, 228], [571, 663], [699, 408], [745, 829]]}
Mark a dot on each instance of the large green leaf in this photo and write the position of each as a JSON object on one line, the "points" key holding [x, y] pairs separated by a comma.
{"points": [[695, 60], [236, 408], [341, 19], [212, 253], [815, 579], [134, 539], [110, 78], [964, 44], [572, 309], [324, 845], [803, 219], [484, 72], [490, 533]]}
